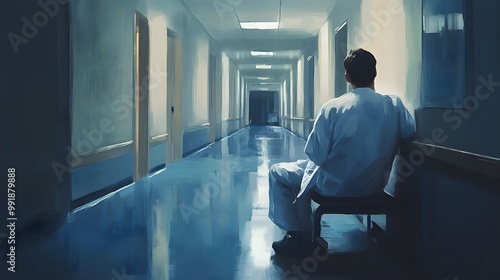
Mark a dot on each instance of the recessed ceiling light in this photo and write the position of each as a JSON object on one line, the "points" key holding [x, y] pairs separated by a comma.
{"points": [[259, 53], [263, 66], [259, 25], [263, 78]]}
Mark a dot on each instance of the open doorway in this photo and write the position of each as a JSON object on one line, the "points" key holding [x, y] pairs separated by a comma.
{"points": [[264, 108], [141, 97], [174, 96]]}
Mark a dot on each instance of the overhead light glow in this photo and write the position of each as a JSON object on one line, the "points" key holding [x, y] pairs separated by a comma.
{"points": [[260, 25], [263, 66], [263, 78], [259, 53]]}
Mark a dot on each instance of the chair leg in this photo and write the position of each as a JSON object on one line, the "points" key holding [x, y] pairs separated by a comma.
{"points": [[317, 223]]}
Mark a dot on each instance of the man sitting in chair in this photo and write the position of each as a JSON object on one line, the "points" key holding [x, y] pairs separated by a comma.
{"points": [[351, 148]]}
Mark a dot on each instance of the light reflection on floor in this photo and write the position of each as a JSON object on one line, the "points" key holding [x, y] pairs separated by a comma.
{"points": [[204, 217]]}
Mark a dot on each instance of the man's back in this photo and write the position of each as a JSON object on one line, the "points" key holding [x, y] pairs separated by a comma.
{"points": [[354, 141], [351, 147]]}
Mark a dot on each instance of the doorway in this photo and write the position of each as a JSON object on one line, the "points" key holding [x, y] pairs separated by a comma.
{"points": [[141, 97], [262, 109], [174, 97]]}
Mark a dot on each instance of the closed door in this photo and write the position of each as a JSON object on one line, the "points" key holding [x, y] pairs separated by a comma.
{"points": [[174, 97]]}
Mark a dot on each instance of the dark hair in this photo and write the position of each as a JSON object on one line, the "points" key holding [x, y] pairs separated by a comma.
{"points": [[360, 65]]}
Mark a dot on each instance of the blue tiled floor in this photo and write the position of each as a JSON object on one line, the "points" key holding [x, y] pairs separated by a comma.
{"points": [[204, 217]]}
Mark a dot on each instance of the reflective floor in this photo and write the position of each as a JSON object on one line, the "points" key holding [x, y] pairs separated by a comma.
{"points": [[204, 217]]}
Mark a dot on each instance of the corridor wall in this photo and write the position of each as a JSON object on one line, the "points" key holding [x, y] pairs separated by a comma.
{"points": [[386, 28], [35, 86], [103, 52], [390, 30], [452, 194]]}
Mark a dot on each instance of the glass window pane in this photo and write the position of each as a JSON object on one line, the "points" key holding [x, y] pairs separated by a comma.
{"points": [[443, 54]]}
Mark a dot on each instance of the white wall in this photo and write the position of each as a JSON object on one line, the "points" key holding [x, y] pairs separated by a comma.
{"points": [[325, 69], [158, 81], [391, 30], [102, 40], [225, 87], [299, 104], [195, 80]]}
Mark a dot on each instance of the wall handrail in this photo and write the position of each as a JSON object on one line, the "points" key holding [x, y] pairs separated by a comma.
{"points": [[110, 151], [480, 164]]}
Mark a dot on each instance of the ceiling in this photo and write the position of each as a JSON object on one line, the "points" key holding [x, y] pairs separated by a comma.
{"points": [[299, 21]]}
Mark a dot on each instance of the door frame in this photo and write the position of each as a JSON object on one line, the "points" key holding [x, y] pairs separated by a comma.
{"points": [[174, 100], [141, 96], [214, 103]]}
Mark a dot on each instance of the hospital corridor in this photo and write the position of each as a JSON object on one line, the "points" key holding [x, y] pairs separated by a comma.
{"points": [[141, 139]]}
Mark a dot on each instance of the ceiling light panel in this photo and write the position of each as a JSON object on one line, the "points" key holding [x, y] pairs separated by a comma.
{"points": [[262, 25], [260, 53], [263, 66]]}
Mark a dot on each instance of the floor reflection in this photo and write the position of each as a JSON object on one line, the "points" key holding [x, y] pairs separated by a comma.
{"points": [[204, 217]]}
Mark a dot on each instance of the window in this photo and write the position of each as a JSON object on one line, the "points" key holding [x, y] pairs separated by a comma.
{"points": [[444, 74]]}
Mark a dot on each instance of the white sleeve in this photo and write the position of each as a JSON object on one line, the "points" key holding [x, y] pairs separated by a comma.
{"points": [[319, 140], [407, 128]]}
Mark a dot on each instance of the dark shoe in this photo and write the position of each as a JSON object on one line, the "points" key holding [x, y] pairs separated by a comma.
{"points": [[292, 246], [279, 243]]}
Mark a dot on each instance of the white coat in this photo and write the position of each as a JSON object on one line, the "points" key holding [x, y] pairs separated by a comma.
{"points": [[351, 149]]}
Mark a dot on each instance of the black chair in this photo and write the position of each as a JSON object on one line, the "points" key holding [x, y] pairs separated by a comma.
{"points": [[368, 205]]}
